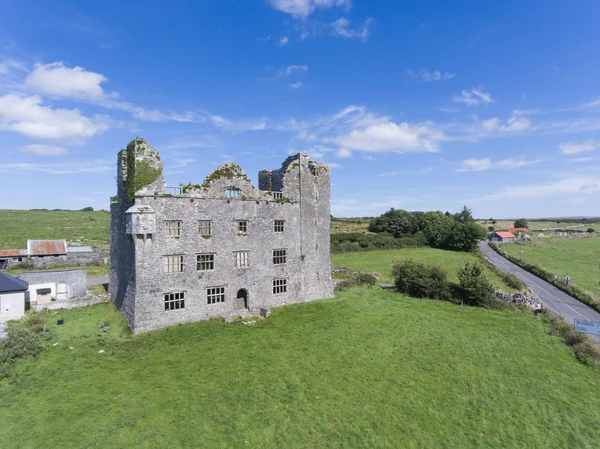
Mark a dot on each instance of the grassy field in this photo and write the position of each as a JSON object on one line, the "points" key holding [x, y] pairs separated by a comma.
{"points": [[575, 257], [370, 368], [381, 262], [77, 227], [344, 225], [537, 225], [93, 271]]}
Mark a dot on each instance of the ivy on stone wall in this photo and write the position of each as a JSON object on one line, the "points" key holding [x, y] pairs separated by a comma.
{"points": [[140, 172]]}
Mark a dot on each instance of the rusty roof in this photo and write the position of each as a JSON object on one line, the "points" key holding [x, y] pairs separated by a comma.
{"points": [[13, 252], [46, 247]]}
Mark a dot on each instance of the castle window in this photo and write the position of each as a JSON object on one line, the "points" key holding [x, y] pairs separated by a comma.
{"points": [[174, 301], [215, 295], [242, 259], [232, 193], [279, 256], [173, 228], [278, 225], [242, 227], [205, 262], [277, 195], [279, 286], [172, 264], [205, 227]]}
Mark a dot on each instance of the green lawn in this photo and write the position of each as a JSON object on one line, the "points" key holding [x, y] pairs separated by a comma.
{"points": [[77, 227], [578, 258], [381, 262], [370, 368]]}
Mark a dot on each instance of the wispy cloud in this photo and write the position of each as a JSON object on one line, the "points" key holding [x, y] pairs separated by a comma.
{"points": [[283, 41], [45, 150], [576, 148], [342, 28], [572, 186], [58, 169], [487, 164], [289, 70], [427, 76], [474, 97], [297, 85], [301, 9]]}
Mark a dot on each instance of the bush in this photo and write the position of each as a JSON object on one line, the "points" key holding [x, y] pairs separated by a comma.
{"points": [[356, 279], [588, 353], [590, 230], [477, 288], [19, 343], [352, 242], [421, 281]]}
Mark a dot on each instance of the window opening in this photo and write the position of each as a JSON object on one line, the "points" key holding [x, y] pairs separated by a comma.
{"points": [[242, 259], [205, 262], [215, 295], [174, 301], [279, 256], [279, 286], [278, 225], [172, 264], [173, 228]]}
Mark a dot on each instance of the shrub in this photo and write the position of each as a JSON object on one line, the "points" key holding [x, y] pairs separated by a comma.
{"points": [[588, 353], [477, 288], [354, 241], [356, 279], [20, 342], [590, 230], [416, 279]]}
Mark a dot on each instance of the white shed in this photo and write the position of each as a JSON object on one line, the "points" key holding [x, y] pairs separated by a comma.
{"points": [[12, 297]]}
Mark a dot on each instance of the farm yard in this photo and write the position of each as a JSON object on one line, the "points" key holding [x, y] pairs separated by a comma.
{"points": [[576, 256]]}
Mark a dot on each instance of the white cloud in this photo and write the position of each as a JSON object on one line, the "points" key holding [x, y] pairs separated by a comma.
{"points": [[297, 85], [59, 80], [583, 159], [379, 135], [294, 68], [474, 97], [283, 41], [58, 169], [46, 150], [343, 152], [426, 76], [513, 124], [301, 9], [576, 148], [341, 27], [8, 65], [486, 164], [28, 116]]}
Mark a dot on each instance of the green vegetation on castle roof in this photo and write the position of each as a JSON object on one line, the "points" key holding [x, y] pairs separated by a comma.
{"points": [[140, 173]]}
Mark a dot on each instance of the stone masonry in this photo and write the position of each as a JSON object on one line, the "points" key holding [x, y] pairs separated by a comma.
{"points": [[220, 248]]}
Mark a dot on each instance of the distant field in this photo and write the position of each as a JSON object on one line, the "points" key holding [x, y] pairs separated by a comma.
{"points": [[578, 258], [504, 224], [369, 368], [77, 227], [339, 225], [381, 262]]}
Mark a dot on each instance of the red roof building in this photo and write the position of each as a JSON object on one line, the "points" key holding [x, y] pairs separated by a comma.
{"points": [[46, 247]]}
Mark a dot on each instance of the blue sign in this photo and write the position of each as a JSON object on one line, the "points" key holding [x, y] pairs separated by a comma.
{"points": [[589, 327]]}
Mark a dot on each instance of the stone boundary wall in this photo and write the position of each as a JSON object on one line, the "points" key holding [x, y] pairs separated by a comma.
{"points": [[54, 305]]}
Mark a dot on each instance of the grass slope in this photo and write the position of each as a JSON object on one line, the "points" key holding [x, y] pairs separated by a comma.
{"points": [[77, 227], [575, 257], [381, 262], [370, 368]]}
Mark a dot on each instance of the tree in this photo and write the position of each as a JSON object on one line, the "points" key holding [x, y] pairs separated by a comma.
{"points": [[464, 216], [521, 223], [494, 222], [476, 287], [491, 228], [88, 209], [437, 228], [590, 230]]}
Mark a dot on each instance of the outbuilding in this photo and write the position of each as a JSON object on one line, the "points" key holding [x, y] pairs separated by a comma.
{"points": [[503, 237], [12, 297]]}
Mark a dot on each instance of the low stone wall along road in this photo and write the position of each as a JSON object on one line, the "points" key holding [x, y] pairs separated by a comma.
{"points": [[553, 298]]}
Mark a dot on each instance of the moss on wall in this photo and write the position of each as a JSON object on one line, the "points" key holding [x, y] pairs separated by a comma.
{"points": [[140, 171]]}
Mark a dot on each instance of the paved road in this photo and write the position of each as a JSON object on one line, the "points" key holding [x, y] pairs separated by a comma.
{"points": [[555, 299]]}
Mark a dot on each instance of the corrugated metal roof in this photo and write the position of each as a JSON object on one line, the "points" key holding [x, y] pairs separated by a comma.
{"points": [[46, 247], [13, 252], [80, 249], [506, 235], [12, 284]]}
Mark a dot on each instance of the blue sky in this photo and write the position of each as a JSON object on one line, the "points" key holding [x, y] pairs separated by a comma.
{"points": [[417, 105]]}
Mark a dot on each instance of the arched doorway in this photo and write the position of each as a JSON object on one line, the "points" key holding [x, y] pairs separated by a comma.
{"points": [[242, 298]]}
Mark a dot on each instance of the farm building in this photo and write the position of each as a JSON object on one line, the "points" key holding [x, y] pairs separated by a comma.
{"points": [[217, 249], [503, 237], [12, 297], [48, 254], [9, 257]]}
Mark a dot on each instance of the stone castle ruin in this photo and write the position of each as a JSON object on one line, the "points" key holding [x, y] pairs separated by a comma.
{"points": [[217, 249]]}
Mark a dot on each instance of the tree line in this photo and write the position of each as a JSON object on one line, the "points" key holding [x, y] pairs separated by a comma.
{"points": [[457, 232]]}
